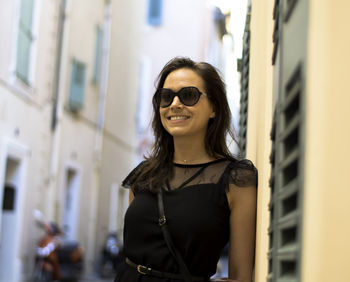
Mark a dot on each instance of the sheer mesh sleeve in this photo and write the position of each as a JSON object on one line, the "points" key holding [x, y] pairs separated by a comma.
{"points": [[243, 174], [130, 179]]}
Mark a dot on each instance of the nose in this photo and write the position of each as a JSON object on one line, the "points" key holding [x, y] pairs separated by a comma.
{"points": [[176, 103]]}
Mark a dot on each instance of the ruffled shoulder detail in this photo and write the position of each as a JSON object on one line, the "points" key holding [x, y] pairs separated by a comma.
{"points": [[132, 176], [241, 173]]}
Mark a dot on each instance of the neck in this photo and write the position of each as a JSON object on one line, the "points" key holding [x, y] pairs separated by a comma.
{"points": [[189, 151]]}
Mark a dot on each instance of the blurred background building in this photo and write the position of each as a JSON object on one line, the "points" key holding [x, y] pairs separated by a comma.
{"points": [[76, 82]]}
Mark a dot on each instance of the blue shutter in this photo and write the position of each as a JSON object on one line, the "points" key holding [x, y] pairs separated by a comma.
{"points": [[24, 39], [155, 12], [77, 86], [26, 12], [98, 55]]}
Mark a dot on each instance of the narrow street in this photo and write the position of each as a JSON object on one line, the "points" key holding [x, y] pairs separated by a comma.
{"points": [[96, 278]]}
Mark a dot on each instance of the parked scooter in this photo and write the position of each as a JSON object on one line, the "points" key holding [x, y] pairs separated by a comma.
{"points": [[111, 256], [56, 259]]}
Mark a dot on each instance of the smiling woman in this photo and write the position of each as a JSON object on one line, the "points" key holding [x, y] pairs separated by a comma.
{"points": [[182, 121], [202, 195]]}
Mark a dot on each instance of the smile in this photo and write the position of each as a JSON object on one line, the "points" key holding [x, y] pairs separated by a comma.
{"points": [[178, 118]]}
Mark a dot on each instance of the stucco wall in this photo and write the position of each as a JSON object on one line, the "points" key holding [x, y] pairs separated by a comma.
{"points": [[326, 228]]}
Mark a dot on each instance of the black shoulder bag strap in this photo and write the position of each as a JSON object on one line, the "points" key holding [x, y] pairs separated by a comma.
{"points": [[162, 223]]}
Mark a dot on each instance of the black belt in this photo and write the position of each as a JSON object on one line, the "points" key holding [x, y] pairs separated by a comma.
{"points": [[144, 270]]}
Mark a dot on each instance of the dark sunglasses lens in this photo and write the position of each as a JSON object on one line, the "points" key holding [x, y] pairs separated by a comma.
{"points": [[189, 96], [165, 97]]}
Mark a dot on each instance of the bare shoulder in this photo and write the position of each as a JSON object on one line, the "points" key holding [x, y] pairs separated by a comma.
{"points": [[241, 196]]}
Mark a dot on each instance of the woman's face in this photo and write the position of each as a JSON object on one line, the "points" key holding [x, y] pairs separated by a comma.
{"points": [[180, 120]]}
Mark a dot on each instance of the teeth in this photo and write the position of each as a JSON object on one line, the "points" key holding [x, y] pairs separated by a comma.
{"points": [[178, 117]]}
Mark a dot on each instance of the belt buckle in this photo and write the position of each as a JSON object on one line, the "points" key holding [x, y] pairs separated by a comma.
{"points": [[142, 269]]}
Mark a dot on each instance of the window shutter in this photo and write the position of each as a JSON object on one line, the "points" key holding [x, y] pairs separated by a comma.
{"points": [[26, 13], [155, 11], [98, 55], [275, 36], [77, 86], [286, 184], [271, 230], [24, 40], [289, 9], [287, 135], [243, 67]]}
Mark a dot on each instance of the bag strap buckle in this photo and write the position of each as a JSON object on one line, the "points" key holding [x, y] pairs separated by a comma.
{"points": [[162, 220]]}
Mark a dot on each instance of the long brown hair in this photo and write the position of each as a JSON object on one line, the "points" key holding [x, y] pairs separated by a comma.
{"points": [[158, 166]]}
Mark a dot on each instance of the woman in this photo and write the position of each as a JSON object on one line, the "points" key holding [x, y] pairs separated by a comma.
{"points": [[209, 196]]}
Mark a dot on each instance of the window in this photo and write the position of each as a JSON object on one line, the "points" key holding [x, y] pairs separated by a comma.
{"points": [[9, 198], [77, 86], [24, 40], [155, 11], [98, 55]]}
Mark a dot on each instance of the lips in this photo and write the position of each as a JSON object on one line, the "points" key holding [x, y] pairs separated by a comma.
{"points": [[178, 117]]}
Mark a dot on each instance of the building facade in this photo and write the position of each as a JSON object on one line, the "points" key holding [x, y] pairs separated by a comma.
{"points": [[27, 64], [296, 134], [67, 133]]}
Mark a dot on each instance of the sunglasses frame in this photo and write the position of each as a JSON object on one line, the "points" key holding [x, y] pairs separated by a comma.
{"points": [[158, 98]]}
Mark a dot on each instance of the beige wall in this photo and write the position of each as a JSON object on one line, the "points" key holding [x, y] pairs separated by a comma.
{"points": [[76, 132], [83, 17], [183, 32], [326, 228], [127, 19], [119, 140], [260, 120]]}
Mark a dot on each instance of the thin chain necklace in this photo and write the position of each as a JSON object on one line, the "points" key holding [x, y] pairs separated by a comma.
{"points": [[198, 161]]}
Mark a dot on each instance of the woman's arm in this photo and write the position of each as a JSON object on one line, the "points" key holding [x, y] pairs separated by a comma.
{"points": [[242, 201]]}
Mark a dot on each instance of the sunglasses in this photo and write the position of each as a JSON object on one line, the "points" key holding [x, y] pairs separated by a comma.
{"points": [[189, 96]]}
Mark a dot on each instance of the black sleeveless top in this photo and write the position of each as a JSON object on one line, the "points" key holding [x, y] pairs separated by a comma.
{"points": [[197, 214]]}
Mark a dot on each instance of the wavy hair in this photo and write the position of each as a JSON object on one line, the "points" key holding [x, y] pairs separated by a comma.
{"points": [[157, 168]]}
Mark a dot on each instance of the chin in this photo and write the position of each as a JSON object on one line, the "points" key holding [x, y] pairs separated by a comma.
{"points": [[177, 133]]}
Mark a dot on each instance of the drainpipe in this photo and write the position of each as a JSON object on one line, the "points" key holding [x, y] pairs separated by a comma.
{"points": [[99, 138], [61, 66]]}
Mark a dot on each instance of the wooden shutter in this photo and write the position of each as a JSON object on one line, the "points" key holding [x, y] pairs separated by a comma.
{"points": [[275, 35], [24, 40], [155, 12], [243, 67], [77, 86], [287, 135]]}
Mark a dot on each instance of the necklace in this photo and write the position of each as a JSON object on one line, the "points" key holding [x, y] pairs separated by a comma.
{"points": [[197, 161]]}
